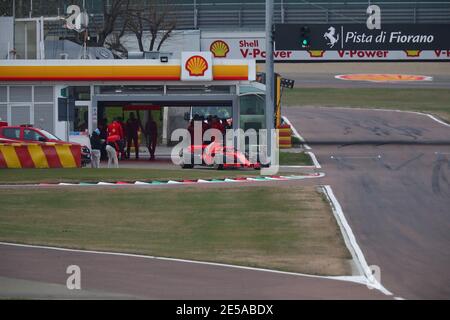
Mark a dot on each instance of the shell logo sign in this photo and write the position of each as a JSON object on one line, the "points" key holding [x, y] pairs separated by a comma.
{"points": [[413, 53], [219, 49], [316, 53], [193, 66], [196, 66]]}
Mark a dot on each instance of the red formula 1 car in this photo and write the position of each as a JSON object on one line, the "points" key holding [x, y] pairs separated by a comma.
{"points": [[26, 133], [216, 156]]}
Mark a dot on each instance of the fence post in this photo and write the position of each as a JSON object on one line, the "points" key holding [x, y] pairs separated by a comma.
{"points": [[195, 15]]}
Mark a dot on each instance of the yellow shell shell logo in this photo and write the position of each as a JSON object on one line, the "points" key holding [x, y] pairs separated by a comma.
{"points": [[196, 65], [316, 53], [413, 53], [219, 49]]}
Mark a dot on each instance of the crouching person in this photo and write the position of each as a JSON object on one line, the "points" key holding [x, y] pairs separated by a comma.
{"points": [[112, 150]]}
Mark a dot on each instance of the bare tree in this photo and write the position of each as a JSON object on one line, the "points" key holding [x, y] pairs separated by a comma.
{"points": [[5, 8], [160, 22], [155, 18], [113, 10], [136, 24], [116, 46]]}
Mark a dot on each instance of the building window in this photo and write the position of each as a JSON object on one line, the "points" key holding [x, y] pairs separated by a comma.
{"points": [[80, 122], [31, 135], [20, 94], [252, 114], [80, 93], [3, 95], [137, 89], [43, 94], [200, 89], [44, 116], [11, 133]]}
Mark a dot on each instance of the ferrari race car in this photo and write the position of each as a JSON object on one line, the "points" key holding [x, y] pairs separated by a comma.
{"points": [[216, 156]]}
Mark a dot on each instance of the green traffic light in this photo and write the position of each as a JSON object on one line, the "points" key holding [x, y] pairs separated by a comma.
{"points": [[305, 32]]}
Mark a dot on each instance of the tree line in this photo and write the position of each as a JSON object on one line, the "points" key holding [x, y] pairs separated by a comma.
{"points": [[150, 21]]}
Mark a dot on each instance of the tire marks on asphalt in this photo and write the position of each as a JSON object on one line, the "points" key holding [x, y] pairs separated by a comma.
{"points": [[439, 174]]}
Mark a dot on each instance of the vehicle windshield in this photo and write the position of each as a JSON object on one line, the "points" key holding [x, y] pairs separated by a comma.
{"points": [[48, 135]]}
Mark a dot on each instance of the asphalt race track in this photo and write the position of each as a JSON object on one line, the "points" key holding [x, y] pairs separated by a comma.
{"points": [[328, 80], [391, 174], [322, 75], [112, 276]]}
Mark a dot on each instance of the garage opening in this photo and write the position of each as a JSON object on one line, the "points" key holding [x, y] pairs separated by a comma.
{"points": [[149, 124]]}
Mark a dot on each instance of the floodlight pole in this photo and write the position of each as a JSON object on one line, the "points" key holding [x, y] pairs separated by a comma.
{"points": [[269, 74]]}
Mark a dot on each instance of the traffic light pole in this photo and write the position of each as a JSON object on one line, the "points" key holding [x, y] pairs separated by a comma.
{"points": [[269, 75]]}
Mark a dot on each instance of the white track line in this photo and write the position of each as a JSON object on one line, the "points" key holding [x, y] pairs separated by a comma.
{"points": [[298, 167], [352, 279], [307, 147], [296, 132], [392, 110], [314, 160], [351, 243], [434, 118]]}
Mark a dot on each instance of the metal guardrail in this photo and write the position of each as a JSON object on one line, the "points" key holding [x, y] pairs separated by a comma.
{"points": [[251, 15], [214, 14]]}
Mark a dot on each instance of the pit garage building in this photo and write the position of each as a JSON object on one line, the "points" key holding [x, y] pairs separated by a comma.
{"points": [[31, 92]]}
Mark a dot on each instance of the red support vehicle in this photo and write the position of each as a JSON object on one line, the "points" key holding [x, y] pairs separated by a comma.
{"points": [[27, 133]]}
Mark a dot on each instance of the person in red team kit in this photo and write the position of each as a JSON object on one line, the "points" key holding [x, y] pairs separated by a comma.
{"points": [[115, 129], [133, 125], [151, 130]]}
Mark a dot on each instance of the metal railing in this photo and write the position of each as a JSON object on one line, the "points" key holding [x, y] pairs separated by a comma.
{"points": [[234, 15], [251, 15]]}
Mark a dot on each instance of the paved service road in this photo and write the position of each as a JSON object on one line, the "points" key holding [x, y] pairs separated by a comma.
{"points": [[391, 174]]}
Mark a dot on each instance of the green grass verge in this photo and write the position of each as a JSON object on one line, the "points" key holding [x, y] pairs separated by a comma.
{"points": [[292, 159], [285, 228], [21, 176], [435, 101]]}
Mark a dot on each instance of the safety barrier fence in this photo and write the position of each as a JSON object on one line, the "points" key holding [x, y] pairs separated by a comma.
{"points": [[250, 15], [36, 155], [284, 136]]}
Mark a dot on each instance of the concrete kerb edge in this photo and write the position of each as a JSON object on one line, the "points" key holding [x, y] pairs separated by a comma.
{"points": [[351, 243], [307, 147]]}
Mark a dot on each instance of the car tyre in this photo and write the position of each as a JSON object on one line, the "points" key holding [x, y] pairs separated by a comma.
{"points": [[218, 166]]}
